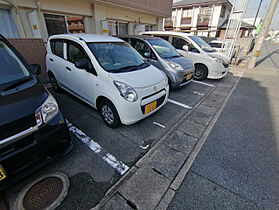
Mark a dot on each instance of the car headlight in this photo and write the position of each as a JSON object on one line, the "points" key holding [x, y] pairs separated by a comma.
{"points": [[126, 91], [47, 110], [218, 60], [175, 66]]}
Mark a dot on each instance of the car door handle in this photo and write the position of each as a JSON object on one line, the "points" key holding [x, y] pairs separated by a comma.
{"points": [[69, 69], [51, 59]]}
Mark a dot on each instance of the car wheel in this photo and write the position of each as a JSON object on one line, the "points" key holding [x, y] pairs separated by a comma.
{"points": [[201, 72], [109, 114], [54, 83]]}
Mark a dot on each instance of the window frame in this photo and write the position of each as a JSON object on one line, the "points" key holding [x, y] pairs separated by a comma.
{"points": [[77, 45]]}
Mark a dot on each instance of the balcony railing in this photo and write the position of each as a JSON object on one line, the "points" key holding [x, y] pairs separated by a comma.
{"points": [[186, 21]]}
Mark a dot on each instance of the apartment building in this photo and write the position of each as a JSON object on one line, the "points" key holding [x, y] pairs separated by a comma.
{"points": [[199, 17], [42, 18]]}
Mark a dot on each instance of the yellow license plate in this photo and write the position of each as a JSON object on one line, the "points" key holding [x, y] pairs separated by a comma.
{"points": [[189, 76], [2, 174], [150, 107]]}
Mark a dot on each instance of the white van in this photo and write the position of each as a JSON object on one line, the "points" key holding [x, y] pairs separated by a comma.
{"points": [[108, 74], [208, 63]]}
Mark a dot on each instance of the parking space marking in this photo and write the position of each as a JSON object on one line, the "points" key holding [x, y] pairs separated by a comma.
{"points": [[119, 166], [156, 123], [198, 93], [204, 83], [179, 104]]}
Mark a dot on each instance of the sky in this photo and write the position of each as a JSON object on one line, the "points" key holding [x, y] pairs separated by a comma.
{"points": [[252, 9]]}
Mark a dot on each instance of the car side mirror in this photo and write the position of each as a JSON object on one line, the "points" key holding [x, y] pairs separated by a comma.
{"points": [[82, 65], [185, 47], [36, 69], [147, 55]]}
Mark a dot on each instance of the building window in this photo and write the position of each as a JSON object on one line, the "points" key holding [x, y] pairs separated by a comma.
{"points": [[223, 11], [7, 25], [187, 13], [60, 24], [117, 27], [56, 24], [204, 16]]}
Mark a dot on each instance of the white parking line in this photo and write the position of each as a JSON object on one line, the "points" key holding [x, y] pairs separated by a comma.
{"points": [[203, 83], [156, 123], [179, 104], [119, 166]]}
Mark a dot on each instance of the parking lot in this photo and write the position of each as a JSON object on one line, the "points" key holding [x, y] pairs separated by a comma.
{"points": [[102, 155]]}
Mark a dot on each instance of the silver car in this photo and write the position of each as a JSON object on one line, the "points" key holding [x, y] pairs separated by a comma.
{"points": [[163, 55]]}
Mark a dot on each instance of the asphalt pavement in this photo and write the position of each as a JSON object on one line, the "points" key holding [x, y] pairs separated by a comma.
{"points": [[238, 166]]}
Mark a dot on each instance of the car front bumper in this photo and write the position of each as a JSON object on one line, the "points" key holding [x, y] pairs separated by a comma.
{"points": [[29, 154], [217, 71]]}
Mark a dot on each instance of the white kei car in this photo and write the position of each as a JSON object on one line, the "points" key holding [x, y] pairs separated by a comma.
{"points": [[208, 62], [108, 74]]}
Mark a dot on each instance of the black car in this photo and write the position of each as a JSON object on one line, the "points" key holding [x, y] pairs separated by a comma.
{"points": [[33, 132]]}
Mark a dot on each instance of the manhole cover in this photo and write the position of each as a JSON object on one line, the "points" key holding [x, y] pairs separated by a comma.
{"points": [[47, 192]]}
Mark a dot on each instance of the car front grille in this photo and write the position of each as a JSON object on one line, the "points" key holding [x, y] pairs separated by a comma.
{"points": [[160, 101]]}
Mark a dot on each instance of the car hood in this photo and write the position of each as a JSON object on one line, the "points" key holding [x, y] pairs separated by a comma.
{"points": [[18, 106], [140, 78], [184, 62], [220, 55]]}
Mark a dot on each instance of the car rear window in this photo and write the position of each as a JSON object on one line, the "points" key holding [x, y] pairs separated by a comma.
{"points": [[56, 46]]}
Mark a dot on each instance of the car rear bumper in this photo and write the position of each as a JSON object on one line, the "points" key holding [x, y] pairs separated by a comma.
{"points": [[34, 151]]}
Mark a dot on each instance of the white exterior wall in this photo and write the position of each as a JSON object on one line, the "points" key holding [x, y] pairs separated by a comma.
{"points": [[112, 12], [92, 13]]}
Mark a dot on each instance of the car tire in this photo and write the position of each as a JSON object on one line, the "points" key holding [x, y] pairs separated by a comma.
{"points": [[54, 83], [201, 72], [109, 114]]}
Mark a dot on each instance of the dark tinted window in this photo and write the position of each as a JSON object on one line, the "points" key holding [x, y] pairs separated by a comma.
{"points": [[142, 48], [76, 53], [57, 47]]}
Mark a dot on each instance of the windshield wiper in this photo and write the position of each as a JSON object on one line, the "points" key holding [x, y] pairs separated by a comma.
{"points": [[17, 83], [126, 68], [174, 56]]}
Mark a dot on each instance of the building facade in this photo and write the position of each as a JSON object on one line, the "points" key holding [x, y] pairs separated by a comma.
{"points": [[42, 18], [199, 17]]}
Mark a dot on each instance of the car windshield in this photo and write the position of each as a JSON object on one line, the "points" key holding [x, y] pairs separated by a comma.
{"points": [[11, 68], [163, 48], [202, 44], [117, 57]]}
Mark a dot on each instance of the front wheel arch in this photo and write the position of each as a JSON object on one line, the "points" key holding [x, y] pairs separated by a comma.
{"points": [[205, 71]]}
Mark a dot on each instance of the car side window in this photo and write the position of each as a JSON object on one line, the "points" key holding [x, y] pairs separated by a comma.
{"points": [[56, 46], [178, 43], [142, 48], [76, 53], [163, 37]]}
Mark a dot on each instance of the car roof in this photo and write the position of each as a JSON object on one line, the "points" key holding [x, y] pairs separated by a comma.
{"points": [[167, 33], [217, 41], [142, 37], [87, 37]]}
